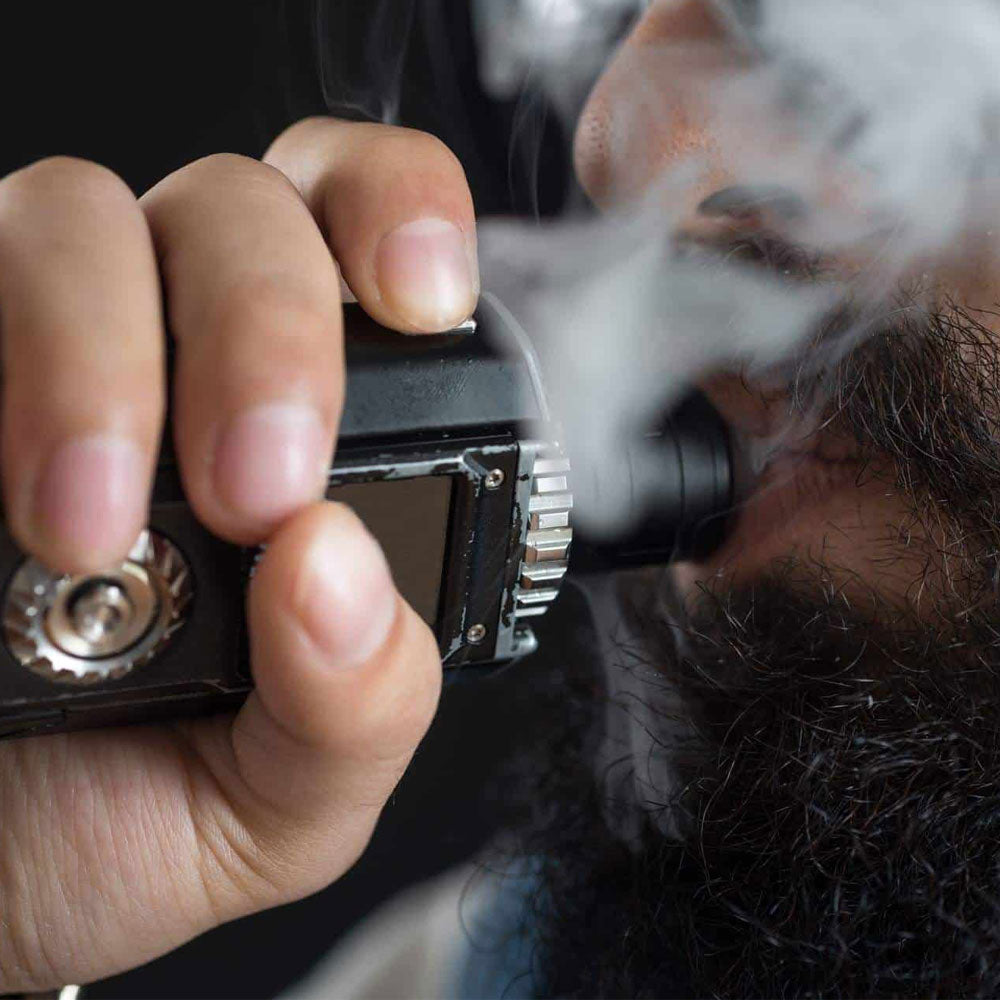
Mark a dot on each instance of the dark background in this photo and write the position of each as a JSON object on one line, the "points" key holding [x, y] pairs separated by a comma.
{"points": [[146, 88]]}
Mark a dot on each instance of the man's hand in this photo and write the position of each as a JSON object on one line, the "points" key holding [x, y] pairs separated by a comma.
{"points": [[118, 846]]}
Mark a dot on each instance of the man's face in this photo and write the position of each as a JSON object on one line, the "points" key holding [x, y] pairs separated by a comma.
{"points": [[827, 689], [823, 497]]}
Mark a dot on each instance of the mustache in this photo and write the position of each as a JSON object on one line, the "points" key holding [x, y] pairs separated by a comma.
{"points": [[926, 392], [926, 368], [913, 381]]}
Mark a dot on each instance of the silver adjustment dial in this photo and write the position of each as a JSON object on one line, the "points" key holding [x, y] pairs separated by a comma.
{"points": [[85, 629]]}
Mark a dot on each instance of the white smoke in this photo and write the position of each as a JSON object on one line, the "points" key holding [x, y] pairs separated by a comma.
{"points": [[882, 116], [622, 325], [558, 46], [361, 52], [907, 95]]}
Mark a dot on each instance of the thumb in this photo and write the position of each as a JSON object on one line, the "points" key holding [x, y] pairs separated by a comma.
{"points": [[347, 682]]}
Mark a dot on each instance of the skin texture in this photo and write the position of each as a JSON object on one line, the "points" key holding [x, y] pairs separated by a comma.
{"points": [[119, 846]]}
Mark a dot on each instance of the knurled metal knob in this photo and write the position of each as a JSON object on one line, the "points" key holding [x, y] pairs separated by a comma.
{"points": [[85, 629], [549, 537]]}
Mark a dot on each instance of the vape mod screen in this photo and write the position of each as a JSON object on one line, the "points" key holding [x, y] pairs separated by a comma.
{"points": [[409, 517]]}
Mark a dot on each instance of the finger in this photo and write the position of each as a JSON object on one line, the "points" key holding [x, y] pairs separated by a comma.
{"points": [[396, 210], [82, 359], [254, 305], [347, 681]]}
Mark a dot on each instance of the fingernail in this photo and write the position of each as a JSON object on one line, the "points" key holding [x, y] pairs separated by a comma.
{"points": [[345, 596], [427, 275], [272, 460], [92, 496]]}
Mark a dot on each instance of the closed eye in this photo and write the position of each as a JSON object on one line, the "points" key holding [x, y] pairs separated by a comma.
{"points": [[761, 248]]}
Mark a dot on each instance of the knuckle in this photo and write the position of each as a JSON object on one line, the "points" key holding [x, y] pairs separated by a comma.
{"points": [[411, 145], [303, 129], [231, 171], [249, 858], [424, 700], [230, 165], [63, 178], [270, 307], [433, 147], [224, 162], [367, 136], [235, 870]]}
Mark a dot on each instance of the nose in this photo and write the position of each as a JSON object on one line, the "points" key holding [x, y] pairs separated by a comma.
{"points": [[635, 120]]}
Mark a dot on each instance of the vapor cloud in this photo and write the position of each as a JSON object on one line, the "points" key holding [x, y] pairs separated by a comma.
{"points": [[881, 116]]}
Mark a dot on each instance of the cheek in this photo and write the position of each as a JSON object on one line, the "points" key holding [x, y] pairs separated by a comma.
{"points": [[856, 537]]}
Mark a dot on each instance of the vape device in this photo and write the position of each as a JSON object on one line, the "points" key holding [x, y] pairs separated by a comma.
{"points": [[439, 453]]}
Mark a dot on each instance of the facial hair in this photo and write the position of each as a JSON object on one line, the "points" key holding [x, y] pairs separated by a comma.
{"points": [[833, 779]]}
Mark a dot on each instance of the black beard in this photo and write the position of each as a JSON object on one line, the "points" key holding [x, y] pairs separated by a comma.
{"points": [[828, 819], [835, 791]]}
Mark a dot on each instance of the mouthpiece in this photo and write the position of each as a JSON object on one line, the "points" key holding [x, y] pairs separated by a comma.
{"points": [[680, 482]]}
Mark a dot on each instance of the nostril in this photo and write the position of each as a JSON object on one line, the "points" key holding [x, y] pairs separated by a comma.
{"points": [[756, 200]]}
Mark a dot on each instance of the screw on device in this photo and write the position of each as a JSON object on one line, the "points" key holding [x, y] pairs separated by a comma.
{"points": [[475, 634]]}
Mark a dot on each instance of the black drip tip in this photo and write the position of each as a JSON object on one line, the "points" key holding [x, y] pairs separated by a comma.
{"points": [[686, 471]]}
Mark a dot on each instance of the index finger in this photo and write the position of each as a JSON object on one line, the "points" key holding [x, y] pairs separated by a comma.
{"points": [[396, 211]]}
